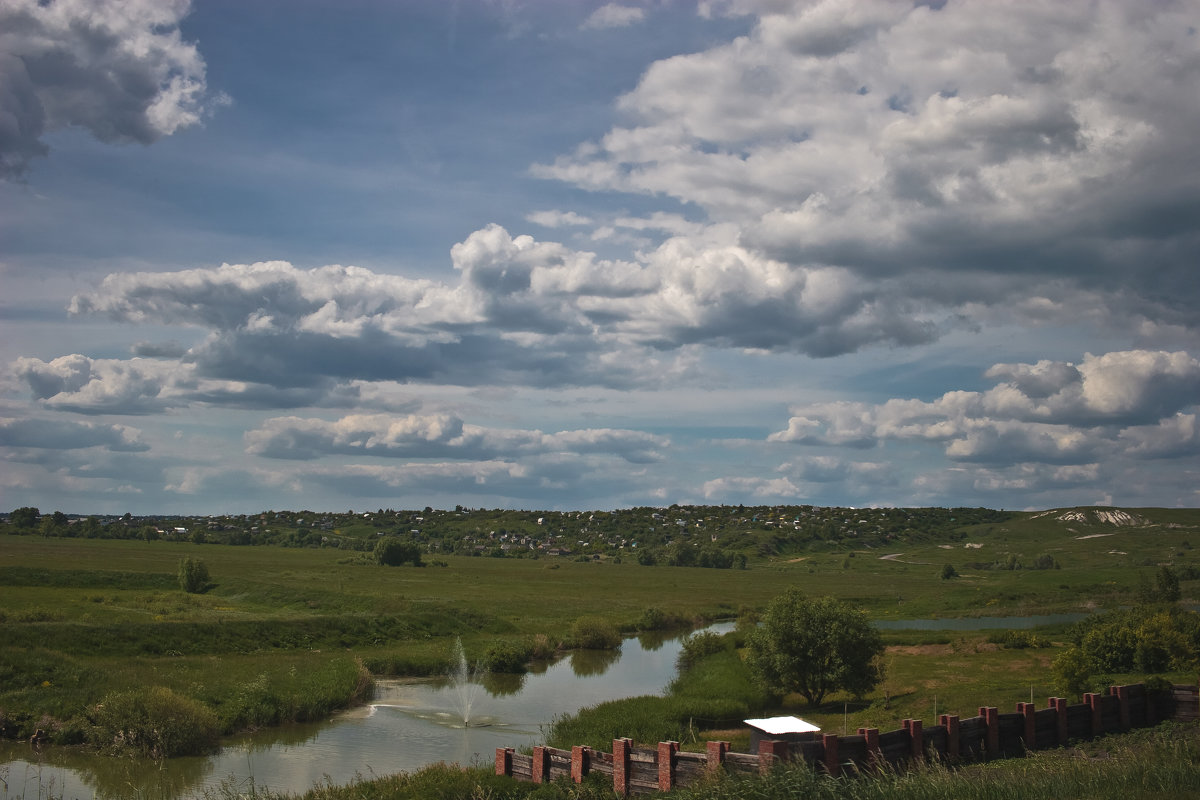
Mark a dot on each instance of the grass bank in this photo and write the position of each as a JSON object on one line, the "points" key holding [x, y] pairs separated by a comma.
{"points": [[1145, 765]]}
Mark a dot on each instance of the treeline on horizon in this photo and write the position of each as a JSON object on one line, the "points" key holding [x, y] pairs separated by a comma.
{"points": [[721, 537]]}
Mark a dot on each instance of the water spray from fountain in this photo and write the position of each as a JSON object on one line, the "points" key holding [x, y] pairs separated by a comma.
{"points": [[465, 681]]}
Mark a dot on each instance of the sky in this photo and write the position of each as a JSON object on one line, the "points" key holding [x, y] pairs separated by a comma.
{"points": [[569, 254]]}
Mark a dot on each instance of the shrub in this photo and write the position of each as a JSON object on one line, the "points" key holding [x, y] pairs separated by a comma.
{"points": [[156, 722], [193, 575], [507, 656], [655, 619], [595, 633], [696, 647], [1017, 640]]}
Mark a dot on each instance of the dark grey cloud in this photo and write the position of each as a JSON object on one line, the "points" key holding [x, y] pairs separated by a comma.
{"points": [[53, 434], [116, 68]]}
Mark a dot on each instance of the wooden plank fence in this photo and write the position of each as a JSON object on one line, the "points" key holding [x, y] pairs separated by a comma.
{"points": [[636, 770]]}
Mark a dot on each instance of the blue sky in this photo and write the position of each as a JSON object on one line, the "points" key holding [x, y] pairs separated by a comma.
{"points": [[561, 255]]}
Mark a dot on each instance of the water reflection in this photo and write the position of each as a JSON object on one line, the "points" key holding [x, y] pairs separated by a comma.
{"points": [[502, 684], [652, 640], [587, 663]]}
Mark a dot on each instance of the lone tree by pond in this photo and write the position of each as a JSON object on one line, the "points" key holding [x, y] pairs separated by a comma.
{"points": [[814, 647]]}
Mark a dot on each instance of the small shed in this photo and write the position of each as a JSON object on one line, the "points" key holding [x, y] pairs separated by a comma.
{"points": [[787, 729]]}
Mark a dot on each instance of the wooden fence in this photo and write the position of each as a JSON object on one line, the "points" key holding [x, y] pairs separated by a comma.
{"points": [[636, 770]]}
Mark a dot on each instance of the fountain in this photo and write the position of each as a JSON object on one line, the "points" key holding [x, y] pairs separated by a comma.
{"points": [[465, 681]]}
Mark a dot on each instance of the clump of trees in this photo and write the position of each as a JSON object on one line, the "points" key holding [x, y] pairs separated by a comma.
{"points": [[815, 646], [1155, 637], [392, 552]]}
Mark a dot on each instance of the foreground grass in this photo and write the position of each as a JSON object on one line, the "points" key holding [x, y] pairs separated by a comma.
{"points": [[1162, 762]]}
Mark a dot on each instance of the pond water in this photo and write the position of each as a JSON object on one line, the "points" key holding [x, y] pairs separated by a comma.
{"points": [[408, 725]]}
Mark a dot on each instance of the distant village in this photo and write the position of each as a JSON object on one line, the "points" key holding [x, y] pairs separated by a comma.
{"points": [[705, 536]]}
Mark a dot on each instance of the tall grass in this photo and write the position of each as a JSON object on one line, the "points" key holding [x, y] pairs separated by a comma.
{"points": [[1147, 765], [1158, 763]]}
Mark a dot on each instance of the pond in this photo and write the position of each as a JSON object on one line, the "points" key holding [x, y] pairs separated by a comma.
{"points": [[408, 725]]}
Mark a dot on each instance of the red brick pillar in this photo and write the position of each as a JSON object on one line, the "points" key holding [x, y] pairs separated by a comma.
{"points": [[991, 717], [1122, 694], [504, 760], [950, 721], [581, 761], [1093, 702], [1030, 732], [541, 764], [770, 753], [832, 765], [716, 754], [621, 766], [666, 765], [874, 757], [1059, 704], [916, 738]]}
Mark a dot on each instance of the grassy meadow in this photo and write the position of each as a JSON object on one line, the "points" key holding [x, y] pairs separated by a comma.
{"points": [[287, 634]]}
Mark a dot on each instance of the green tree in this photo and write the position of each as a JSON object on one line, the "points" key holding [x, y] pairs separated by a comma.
{"points": [[814, 647], [193, 575], [391, 551], [24, 518], [1073, 672], [948, 572]]}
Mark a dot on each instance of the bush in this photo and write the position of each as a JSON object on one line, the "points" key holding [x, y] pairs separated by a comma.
{"points": [[507, 656], [655, 619], [595, 633], [1017, 640], [193, 575], [696, 647], [156, 722]]}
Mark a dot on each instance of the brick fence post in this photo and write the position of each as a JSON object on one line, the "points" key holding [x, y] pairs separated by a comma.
{"points": [[620, 753], [832, 765], [952, 737], [916, 738], [541, 764], [1093, 702], [874, 757], [991, 717], [1030, 732], [666, 765], [1059, 704], [504, 760], [581, 762], [1122, 693], [716, 755], [770, 753]]}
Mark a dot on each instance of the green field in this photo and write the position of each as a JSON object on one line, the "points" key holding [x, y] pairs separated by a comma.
{"points": [[287, 633]]}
